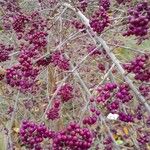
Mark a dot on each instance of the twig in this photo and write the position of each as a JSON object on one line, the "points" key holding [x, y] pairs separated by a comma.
{"points": [[9, 141]]}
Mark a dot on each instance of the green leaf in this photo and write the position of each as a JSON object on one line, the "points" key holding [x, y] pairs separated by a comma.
{"points": [[119, 142]]}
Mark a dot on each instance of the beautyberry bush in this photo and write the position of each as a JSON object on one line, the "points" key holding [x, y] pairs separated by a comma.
{"points": [[75, 75]]}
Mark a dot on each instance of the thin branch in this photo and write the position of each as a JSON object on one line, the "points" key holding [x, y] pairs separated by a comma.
{"points": [[9, 141]]}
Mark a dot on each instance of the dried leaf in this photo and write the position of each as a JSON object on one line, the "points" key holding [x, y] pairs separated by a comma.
{"points": [[125, 129], [16, 130]]}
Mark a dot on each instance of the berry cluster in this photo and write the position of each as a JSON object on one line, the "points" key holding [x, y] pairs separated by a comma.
{"points": [[143, 139], [140, 67], [33, 134], [145, 90], [66, 92], [26, 26], [23, 75], [73, 137], [82, 5], [19, 22], [4, 52], [139, 111], [99, 21], [113, 106], [138, 20], [123, 94], [58, 59], [112, 95], [37, 23], [78, 25], [90, 120], [10, 6], [105, 4], [53, 113], [104, 92], [6, 22], [38, 39], [108, 143], [126, 117]]}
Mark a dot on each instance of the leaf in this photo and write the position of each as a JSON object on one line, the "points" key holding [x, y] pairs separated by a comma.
{"points": [[115, 136], [125, 129], [119, 142], [132, 43], [123, 53], [16, 130]]}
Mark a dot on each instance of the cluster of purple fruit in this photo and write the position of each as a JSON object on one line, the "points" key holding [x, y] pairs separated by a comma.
{"points": [[138, 20], [104, 92], [78, 25], [4, 52], [140, 67], [100, 20], [73, 138], [108, 143], [58, 59], [144, 138], [19, 22], [65, 92], [105, 4], [10, 6], [90, 120], [53, 113], [82, 5], [145, 90], [123, 94], [112, 95], [139, 112], [126, 117], [38, 39], [23, 75], [32, 134]]}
